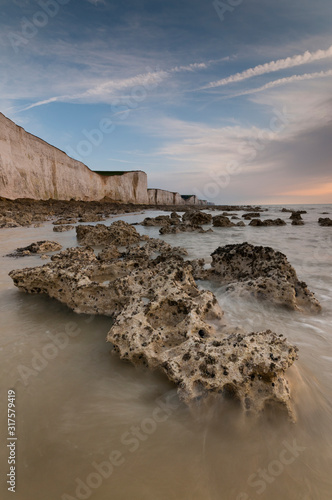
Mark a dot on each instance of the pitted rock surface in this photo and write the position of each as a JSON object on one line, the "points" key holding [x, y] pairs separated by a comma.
{"points": [[163, 320], [119, 233], [264, 273]]}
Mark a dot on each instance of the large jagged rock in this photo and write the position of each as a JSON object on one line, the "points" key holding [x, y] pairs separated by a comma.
{"points": [[163, 320], [37, 247], [197, 218], [267, 222], [325, 221], [119, 233], [262, 272]]}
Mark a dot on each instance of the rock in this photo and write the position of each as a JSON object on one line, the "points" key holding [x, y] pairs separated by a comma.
{"points": [[110, 252], [296, 222], [153, 248], [92, 218], [240, 224], [263, 273], [234, 217], [36, 248], [6, 222], [267, 222], [324, 221], [296, 216], [119, 233], [62, 228], [292, 211], [182, 228], [160, 220], [222, 221], [164, 321], [64, 221], [197, 218], [251, 215]]}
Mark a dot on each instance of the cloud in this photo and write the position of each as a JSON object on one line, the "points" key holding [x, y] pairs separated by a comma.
{"points": [[111, 88], [283, 81], [262, 69]]}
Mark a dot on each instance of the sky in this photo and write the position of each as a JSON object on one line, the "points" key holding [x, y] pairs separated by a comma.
{"points": [[229, 100]]}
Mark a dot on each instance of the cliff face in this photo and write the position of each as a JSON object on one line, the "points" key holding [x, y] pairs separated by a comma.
{"points": [[31, 168], [162, 197]]}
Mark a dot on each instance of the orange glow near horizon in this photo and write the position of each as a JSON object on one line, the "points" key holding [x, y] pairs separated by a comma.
{"points": [[321, 190]]}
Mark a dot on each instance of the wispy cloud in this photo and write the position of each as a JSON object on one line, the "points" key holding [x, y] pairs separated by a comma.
{"points": [[108, 88], [270, 67], [282, 81]]}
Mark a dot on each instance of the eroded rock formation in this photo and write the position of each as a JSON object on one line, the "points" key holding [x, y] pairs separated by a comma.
{"points": [[163, 320]]}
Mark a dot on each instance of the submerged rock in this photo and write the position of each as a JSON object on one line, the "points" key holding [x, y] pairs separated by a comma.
{"points": [[267, 222], [325, 221], [62, 228], [164, 321], [251, 215], [64, 221], [296, 216], [36, 248], [183, 228], [264, 273], [91, 218], [222, 221], [119, 233]]}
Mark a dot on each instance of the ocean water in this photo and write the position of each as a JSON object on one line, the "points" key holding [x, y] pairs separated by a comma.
{"points": [[91, 426]]}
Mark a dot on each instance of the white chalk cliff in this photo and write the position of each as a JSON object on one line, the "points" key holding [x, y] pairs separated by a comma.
{"points": [[32, 168]]}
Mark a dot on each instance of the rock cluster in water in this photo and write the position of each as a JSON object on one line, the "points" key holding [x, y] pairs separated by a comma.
{"points": [[164, 321]]}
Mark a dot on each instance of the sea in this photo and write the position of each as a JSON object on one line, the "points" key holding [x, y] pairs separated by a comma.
{"points": [[88, 425]]}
